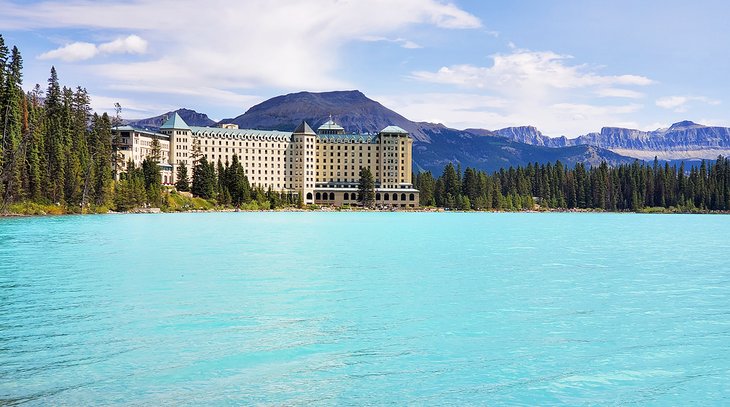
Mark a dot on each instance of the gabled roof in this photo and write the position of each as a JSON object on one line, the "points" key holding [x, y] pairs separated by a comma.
{"points": [[393, 129], [304, 128], [175, 122]]}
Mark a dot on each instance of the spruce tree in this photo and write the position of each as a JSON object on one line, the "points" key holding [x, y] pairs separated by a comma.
{"points": [[203, 179], [366, 188], [183, 183]]}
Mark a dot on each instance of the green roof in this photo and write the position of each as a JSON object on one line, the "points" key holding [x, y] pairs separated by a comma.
{"points": [[220, 132], [304, 128], [393, 129], [348, 138], [330, 125], [175, 122]]}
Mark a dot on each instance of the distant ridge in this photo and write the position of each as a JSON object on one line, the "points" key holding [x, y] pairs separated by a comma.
{"points": [[191, 117], [682, 140]]}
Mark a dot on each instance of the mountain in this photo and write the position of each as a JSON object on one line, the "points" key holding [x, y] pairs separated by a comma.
{"points": [[434, 144], [350, 109], [191, 117], [682, 141], [533, 136], [494, 153]]}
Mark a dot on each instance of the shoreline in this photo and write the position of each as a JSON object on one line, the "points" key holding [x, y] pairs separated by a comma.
{"points": [[148, 211]]}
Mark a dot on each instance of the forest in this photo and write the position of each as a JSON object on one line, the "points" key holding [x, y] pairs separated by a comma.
{"points": [[634, 187], [57, 156]]}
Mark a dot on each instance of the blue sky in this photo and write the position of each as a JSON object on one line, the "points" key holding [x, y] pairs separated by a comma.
{"points": [[566, 67]]}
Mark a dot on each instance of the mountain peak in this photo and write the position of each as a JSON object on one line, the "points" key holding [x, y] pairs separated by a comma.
{"points": [[684, 125], [191, 117], [351, 109]]}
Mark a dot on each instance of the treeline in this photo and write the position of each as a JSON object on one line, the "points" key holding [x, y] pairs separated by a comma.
{"points": [[631, 187], [228, 185], [53, 150]]}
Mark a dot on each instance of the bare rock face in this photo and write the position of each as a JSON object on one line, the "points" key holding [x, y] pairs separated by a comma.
{"points": [[685, 136]]}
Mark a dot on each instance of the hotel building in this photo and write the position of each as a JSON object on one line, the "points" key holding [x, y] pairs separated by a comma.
{"points": [[323, 166]]}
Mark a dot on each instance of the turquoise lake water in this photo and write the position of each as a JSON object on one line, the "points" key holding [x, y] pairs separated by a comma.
{"points": [[365, 309]]}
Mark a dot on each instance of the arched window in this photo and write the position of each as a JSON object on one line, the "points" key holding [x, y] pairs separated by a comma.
{"points": [[354, 196], [412, 197], [377, 196], [319, 196], [332, 196], [309, 196], [402, 197], [386, 197], [347, 197], [395, 197]]}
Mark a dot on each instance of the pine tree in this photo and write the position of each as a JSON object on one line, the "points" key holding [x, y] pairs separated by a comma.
{"points": [[12, 126], [103, 173], [152, 180], [183, 183], [366, 188], [203, 179]]}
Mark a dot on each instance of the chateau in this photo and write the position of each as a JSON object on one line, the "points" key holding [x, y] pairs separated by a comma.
{"points": [[323, 167]]}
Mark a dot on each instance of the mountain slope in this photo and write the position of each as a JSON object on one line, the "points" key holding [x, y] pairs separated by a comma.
{"points": [[683, 140], [191, 117], [493, 153], [351, 109]]}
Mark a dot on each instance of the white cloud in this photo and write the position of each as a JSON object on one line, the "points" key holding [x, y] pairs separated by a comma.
{"points": [[619, 93], [540, 88], [131, 109], [404, 43], [130, 45], [234, 46], [523, 68], [81, 51], [77, 51], [469, 110], [680, 104]]}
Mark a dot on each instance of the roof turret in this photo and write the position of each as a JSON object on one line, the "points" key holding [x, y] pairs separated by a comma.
{"points": [[175, 122], [304, 128], [393, 130], [330, 127]]}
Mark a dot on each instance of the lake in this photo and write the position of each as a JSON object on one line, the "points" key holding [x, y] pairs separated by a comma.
{"points": [[365, 309]]}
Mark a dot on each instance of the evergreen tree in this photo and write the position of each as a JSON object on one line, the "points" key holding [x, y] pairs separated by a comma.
{"points": [[426, 184], [152, 180], [183, 183], [204, 179], [12, 126], [366, 188]]}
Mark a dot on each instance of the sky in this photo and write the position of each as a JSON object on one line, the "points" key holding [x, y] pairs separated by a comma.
{"points": [[566, 67]]}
